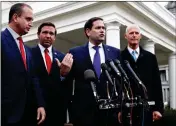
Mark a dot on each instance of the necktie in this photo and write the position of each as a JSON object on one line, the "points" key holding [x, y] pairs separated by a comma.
{"points": [[22, 51], [134, 55], [48, 60], [96, 61]]}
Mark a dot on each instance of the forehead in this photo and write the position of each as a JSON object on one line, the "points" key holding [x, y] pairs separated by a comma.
{"points": [[48, 28], [27, 12], [133, 29], [98, 23]]}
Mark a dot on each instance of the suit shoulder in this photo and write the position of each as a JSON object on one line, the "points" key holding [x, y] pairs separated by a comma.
{"points": [[59, 53], [148, 53], [113, 48], [76, 48]]}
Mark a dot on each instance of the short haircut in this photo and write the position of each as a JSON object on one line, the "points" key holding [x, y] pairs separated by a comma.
{"points": [[133, 26], [46, 24], [17, 9], [90, 22]]}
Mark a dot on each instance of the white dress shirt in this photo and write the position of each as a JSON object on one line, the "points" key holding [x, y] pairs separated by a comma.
{"points": [[42, 49], [92, 52], [137, 51]]}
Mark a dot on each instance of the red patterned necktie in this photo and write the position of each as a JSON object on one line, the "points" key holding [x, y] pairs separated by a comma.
{"points": [[23, 55], [48, 60]]}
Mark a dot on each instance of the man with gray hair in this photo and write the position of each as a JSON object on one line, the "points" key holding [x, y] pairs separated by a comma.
{"points": [[139, 59]]}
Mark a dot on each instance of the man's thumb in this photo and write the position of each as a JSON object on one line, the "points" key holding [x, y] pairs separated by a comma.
{"points": [[58, 62]]}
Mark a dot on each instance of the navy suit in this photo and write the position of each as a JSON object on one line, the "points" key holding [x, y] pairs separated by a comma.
{"points": [[146, 68], [84, 111], [20, 89], [54, 91]]}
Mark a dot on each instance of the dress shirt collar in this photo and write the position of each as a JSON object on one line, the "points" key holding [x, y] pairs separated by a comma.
{"points": [[92, 45], [130, 50], [13, 33], [43, 48]]}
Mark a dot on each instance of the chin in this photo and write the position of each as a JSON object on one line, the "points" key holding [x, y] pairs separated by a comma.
{"points": [[25, 33]]}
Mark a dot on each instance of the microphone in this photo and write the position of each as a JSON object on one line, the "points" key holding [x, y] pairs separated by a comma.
{"points": [[89, 75], [137, 78], [117, 62], [105, 69], [111, 63], [125, 77]]}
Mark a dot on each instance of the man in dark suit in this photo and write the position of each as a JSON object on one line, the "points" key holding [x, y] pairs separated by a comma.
{"points": [[145, 66], [21, 94], [84, 110], [50, 75]]}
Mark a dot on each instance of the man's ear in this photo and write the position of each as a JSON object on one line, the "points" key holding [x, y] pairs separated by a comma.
{"points": [[38, 35], [125, 36], [140, 36], [88, 32], [15, 17]]}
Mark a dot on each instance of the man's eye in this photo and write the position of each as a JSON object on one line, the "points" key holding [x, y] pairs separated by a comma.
{"points": [[45, 32], [51, 33]]}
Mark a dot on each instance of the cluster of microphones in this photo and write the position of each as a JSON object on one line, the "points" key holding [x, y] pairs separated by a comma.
{"points": [[116, 76]]}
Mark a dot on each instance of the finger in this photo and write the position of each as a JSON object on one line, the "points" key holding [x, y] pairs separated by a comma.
{"points": [[119, 118], [58, 62], [69, 56], [42, 119], [66, 58], [38, 115]]}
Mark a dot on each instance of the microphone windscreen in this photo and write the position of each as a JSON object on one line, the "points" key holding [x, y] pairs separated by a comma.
{"points": [[89, 75], [104, 66], [116, 61], [126, 61]]}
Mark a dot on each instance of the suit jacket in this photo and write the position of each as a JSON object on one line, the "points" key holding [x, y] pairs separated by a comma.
{"points": [[20, 88], [146, 68], [54, 91], [84, 111]]}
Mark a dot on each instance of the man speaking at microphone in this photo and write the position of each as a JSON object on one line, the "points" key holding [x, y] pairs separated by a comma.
{"points": [[145, 66], [84, 110]]}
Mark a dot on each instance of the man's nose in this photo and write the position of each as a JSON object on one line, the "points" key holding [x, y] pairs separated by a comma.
{"points": [[48, 35], [102, 30], [31, 24]]}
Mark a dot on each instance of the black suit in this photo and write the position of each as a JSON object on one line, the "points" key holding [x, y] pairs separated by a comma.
{"points": [[84, 111], [20, 88], [147, 70], [52, 88]]}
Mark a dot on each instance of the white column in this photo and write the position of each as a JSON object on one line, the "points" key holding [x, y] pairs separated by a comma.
{"points": [[172, 79], [113, 34], [149, 45]]}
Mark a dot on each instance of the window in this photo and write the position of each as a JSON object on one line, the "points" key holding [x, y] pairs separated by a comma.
{"points": [[163, 75]]}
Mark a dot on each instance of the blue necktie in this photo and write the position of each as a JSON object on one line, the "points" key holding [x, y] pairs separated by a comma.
{"points": [[96, 61], [134, 55]]}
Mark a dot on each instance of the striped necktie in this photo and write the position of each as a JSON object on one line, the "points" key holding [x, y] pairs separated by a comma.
{"points": [[134, 55]]}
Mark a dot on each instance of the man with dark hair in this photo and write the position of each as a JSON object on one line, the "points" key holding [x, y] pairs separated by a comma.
{"points": [[84, 110], [139, 59], [46, 60], [21, 95]]}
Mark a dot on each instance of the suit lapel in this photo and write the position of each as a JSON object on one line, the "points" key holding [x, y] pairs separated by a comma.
{"points": [[106, 52], [87, 57], [14, 48], [27, 57], [41, 61], [128, 56], [141, 54], [54, 63]]}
